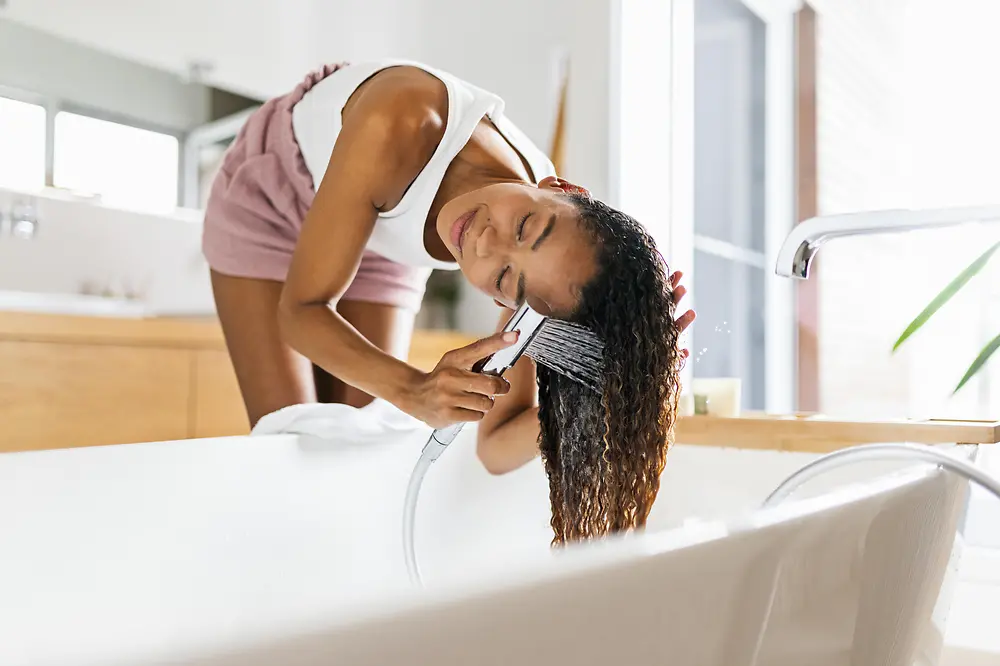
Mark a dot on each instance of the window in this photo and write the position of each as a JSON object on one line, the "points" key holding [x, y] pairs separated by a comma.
{"points": [[127, 166], [22, 145], [730, 266]]}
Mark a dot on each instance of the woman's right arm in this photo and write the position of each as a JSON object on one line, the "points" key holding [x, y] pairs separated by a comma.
{"points": [[387, 138], [508, 436]]}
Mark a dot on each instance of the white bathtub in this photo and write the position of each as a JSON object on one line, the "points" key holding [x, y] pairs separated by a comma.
{"points": [[121, 554]]}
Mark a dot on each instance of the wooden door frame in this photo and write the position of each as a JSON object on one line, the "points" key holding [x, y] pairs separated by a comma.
{"points": [[779, 17], [807, 206]]}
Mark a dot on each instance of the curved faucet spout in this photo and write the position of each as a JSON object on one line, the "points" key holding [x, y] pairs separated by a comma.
{"points": [[802, 244]]}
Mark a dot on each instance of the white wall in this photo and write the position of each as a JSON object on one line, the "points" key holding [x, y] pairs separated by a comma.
{"points": [[905, 121], [859, 48], [511, 50], [254, 47], [37, 62]]}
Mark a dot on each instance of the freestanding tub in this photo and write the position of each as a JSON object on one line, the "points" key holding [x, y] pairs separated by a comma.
{"points": [[130, 554]]}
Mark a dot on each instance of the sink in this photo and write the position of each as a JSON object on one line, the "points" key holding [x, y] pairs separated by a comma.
{"points": [[71, 304]]}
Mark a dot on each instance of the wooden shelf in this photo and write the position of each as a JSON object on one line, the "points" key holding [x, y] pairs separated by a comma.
{"points": [[819, 434]]}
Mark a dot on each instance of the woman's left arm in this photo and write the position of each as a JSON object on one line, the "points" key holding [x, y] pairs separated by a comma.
{"points": [[508, 434]]}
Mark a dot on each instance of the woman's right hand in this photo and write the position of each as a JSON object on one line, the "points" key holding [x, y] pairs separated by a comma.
{"points": [[452, 392]]}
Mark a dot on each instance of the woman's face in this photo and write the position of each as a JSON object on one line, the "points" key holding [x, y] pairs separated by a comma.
{"points": [[518, 243]]}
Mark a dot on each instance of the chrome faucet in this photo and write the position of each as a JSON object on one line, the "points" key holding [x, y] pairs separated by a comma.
{"points": [[23, 220], [802, 244]]}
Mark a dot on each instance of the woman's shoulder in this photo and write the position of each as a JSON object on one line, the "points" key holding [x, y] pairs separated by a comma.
{"points": [[404, 101]]}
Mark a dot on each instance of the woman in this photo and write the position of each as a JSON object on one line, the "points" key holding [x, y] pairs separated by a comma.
{"points": [[351, 188]]}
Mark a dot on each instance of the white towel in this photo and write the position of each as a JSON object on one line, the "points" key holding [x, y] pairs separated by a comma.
{"points": [[377, 422]]}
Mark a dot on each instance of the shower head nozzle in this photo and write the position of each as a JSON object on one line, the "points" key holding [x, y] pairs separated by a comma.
{"points": [[528, 323]]}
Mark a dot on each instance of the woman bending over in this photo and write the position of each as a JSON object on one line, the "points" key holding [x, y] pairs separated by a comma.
{"points": [[328, 213]]}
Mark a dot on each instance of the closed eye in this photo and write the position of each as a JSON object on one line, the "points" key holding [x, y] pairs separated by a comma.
{"points": [[500, 277], [520, 227]]}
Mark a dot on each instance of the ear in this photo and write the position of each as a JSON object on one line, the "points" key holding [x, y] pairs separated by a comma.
{"points": [[500, 304], [554, 183]]}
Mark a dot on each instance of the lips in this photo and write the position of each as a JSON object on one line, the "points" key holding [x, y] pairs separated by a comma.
{"points": [[459, 228]]}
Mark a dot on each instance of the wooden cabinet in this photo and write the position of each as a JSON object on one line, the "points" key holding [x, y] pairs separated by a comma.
{"points": [[216, 402], [85, 381], [83, 395]]}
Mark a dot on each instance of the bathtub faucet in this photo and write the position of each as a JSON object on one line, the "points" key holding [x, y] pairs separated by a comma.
{"points": [[802, 244]]}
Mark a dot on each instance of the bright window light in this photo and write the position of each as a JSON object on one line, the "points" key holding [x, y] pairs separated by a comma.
{"points": [[127, 166], [22, 145]]}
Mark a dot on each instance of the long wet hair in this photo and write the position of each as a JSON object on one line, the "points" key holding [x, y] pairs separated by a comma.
{"points": [[604, 452]]}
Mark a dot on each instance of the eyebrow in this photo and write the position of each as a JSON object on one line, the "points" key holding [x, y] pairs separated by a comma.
{"points": [[519, 298], [545, 233]]}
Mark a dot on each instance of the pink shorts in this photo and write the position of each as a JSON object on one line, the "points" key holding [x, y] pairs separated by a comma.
{"points": [[260, 198]]}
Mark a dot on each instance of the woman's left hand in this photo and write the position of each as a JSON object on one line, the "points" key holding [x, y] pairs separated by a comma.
{"points": [[685, 319]]}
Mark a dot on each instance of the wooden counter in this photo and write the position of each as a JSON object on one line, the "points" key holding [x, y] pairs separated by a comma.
{"points": [[82, 381], [821, 434]]}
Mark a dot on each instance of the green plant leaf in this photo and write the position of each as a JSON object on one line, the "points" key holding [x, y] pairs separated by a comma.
{"points": [[980, 361], [970, 272]]}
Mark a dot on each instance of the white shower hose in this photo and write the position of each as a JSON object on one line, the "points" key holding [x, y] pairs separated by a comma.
{"points": [[410, 515]]}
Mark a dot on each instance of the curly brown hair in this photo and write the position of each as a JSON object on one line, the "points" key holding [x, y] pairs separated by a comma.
{"points": [[604, 452]]}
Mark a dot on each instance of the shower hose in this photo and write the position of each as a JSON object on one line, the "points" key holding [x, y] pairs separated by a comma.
{"points": [[410, 514], [829, 462]]}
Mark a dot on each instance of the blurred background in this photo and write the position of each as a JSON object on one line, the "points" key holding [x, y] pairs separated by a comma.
{"points": [[718, 123]]}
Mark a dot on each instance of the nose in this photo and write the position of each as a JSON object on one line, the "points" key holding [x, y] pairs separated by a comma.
{"points": [[486, 244]]}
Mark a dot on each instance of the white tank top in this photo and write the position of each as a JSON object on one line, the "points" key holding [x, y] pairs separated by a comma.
{"points": [[399, 233]]}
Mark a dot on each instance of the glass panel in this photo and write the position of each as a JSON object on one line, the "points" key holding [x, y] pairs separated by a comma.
{"points": [[127, 166], [22, 145], [728, 336], [729, 123]]}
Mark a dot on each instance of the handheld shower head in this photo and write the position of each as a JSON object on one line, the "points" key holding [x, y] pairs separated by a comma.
{"points": [[528, 323]]}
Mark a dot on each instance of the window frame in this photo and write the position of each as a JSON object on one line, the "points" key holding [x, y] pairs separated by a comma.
{"points": [[53, 105], [46, 103]]}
